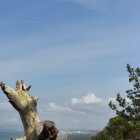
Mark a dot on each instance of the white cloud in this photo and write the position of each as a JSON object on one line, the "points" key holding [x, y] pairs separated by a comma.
{"points": [[111, 99], [83, 113], [5, 106], [88, 99], [80, 113], [62, 109], [84, 2], [56, 62], [99, 5], [12, 120], [9, 117]]}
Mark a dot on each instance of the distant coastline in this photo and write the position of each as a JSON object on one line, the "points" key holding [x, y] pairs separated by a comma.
{"points": [[6, 134]]}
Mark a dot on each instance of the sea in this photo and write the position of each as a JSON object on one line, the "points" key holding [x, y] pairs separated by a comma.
{"points": [[7, 135], [72, 134]]}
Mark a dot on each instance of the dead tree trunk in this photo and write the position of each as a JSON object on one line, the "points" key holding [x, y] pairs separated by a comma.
{"points": [[26, 105]]}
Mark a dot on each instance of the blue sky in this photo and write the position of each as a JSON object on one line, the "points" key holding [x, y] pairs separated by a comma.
{"points": [[73, 53]]}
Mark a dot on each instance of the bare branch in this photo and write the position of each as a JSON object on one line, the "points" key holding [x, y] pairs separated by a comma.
{"points": [[1, 84], [26, 105]]}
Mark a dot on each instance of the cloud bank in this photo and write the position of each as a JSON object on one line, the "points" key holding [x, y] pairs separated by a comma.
{"points": [[88, 99], [85, 112]]}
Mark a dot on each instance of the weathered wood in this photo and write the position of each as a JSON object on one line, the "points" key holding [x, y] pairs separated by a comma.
{"points": [[26, 105]]}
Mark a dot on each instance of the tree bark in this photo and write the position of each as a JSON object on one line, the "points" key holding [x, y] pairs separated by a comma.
{"points": [[26, 105]]}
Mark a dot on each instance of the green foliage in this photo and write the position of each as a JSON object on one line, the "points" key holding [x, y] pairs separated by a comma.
{"points": [[118, 128], [101, 136], [130, 108], [126, 125]]}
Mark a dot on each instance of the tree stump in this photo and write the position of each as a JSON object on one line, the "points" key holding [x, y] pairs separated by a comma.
{"points": [[26, 105]]}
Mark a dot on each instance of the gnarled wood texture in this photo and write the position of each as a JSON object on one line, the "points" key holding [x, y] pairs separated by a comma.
{"points": [[26, 105]]}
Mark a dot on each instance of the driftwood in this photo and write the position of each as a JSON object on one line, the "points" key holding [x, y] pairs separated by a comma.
{"points": [[26, 105]]}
